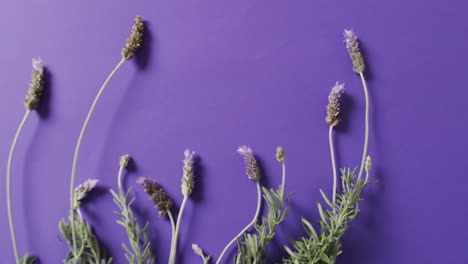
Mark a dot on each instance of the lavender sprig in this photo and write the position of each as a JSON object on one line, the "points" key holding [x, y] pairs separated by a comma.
{"points": [[138, 254], [352, 44], [188, 183], [132, 44], [253, 172], [31, 103]]}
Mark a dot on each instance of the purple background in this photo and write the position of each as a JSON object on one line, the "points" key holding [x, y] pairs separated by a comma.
{"points": [[214, 75]]}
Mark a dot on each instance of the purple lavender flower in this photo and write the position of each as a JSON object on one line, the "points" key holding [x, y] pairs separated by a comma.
{"points": [[333, 107], [156, 194], [251, 165], [82, 190], [355, 54], [188, 178], [36, 86]]}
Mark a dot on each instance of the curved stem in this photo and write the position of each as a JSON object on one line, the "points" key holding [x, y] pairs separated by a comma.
{"points": [[366, 133], [77, 151], [119, 178], [8, 184], [171, 218], [176, 234], [259, 201], [283, 180], [332, 154]]}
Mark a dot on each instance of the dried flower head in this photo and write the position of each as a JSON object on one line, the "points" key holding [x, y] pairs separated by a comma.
{"points": [[251, 165], [36, 86], [352, 45], [197, 250], [333, 107], [124, 160], [368, 164], [280, 154], [188, 177], [135, 39], [82, 190], [156, 194]]}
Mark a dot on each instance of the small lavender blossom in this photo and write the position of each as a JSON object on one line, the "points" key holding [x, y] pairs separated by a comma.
{"points": [[188, 178], [333, 107], [251, 165], [135, 39], [355, 54], [198, 250], [82, 190], [156, 194], [36, 86], [279, 154], [124, 160]]}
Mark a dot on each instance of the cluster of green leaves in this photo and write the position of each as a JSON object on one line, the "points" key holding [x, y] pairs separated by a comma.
{"points": [[254, 247], [89, 250], [137, 254], [323, 248], [26, 259]]}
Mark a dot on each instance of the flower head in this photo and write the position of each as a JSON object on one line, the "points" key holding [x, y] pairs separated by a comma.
{"points": [[188, 177], [251, 165], [197, 250], [280, 154], [333, 107], [135, 39], [124, 160], [36, 86], [157, 195], [82, 190], [352, 45]]}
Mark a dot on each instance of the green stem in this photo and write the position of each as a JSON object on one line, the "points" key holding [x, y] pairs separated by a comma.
{"points": [[171, 218], [119, 179], [176, 234], [77, 151], [8, 184], [332, 154], [259, 201], [283, 182], [366, 134]]}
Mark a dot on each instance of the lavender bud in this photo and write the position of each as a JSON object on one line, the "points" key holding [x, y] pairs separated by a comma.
{"points": [[157, 195], [352, 45], [124, 160], [197, 250], [82, 190], [251, 165], [188, 178], [279, 154], [36, 86], [333, 107], [368, 164], [135, 39]]}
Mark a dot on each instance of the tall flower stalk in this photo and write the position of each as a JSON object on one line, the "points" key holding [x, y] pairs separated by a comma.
{"points": [[253, 172], [135, 253], [188, 183], [254, 247], [30, 103], [128, 52], [332, 119], [352, 44]]}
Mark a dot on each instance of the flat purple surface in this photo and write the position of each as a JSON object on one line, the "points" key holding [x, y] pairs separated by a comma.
{"points": [[214, 75]]}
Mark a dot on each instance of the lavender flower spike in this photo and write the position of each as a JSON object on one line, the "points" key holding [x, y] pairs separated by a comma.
{"points": [[156, 194], [36, 86], [188, 178], [135, 39], [251, 165], [82, 190], [355, 54], [333, 107]]}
